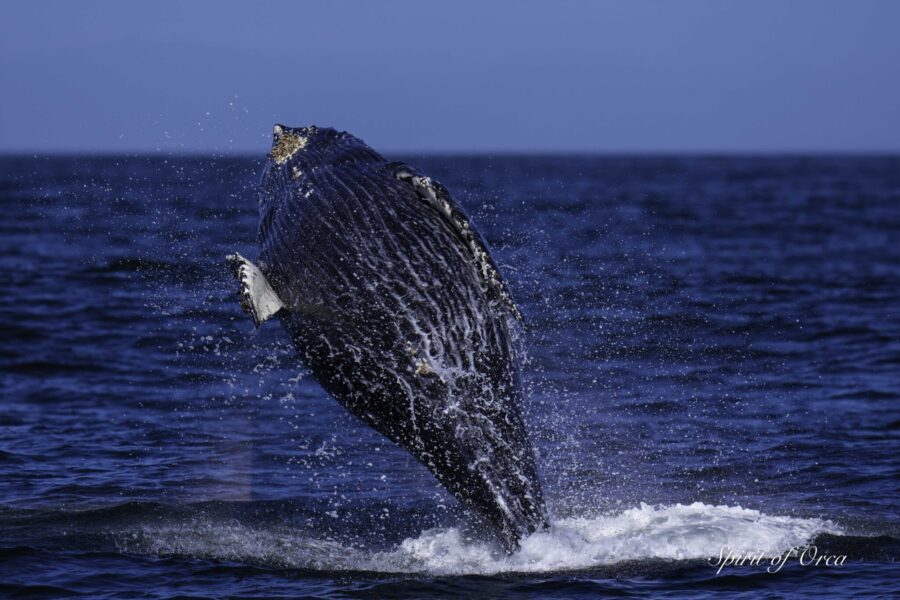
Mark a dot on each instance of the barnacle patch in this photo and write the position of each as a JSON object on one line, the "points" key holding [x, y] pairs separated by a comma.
{"points": [[423, 368], [286, 145]]}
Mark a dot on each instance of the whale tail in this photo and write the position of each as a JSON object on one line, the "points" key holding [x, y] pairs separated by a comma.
{"points": [[258, 299]]}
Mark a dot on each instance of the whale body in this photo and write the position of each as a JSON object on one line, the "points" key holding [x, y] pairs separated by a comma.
{"points": [[395, 305]]}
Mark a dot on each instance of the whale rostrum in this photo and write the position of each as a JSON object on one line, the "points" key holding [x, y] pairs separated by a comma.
{"points": [[394, 303]]}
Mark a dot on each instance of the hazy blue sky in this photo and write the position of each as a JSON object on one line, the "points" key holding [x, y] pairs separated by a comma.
{"points": [[453, 76]]}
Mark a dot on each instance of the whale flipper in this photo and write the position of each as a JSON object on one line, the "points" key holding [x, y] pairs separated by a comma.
{"points": [[436, 196], [258, 299]]}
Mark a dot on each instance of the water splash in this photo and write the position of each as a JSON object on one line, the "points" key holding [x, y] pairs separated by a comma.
{"points": [[677, 532]]}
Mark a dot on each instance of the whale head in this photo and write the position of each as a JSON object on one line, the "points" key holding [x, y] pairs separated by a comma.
{"points": [[299, 151], [312, 146]]}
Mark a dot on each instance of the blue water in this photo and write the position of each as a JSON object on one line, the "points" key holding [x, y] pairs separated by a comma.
{"points": [[713, 360]]}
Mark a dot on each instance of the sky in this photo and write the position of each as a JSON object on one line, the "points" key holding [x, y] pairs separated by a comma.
{"points": [[461, 76]]}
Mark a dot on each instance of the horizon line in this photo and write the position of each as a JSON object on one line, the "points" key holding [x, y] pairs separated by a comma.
{"points": [[524, 153]]}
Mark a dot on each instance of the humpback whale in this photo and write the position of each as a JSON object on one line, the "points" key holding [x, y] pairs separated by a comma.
{"points": [[394, 303]]}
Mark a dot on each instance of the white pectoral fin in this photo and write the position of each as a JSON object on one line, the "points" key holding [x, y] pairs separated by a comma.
{"points": [[258, 299]]}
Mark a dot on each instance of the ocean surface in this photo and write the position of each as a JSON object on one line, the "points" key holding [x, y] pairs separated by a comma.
{"points": [[713, 365]]}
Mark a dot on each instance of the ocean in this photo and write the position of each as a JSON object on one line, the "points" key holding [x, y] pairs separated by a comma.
{"points": [[712, 371]]}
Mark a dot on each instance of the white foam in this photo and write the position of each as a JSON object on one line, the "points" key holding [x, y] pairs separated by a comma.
{"points": [[694, 531]]}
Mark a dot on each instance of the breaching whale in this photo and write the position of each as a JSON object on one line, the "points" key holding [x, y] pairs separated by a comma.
{"points": [[394, 303]]}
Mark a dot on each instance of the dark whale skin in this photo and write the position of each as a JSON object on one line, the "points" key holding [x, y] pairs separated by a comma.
{"points": [[389, 309]]}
